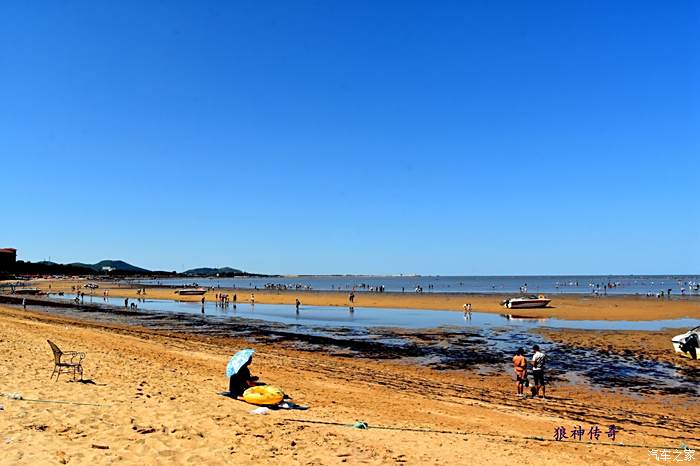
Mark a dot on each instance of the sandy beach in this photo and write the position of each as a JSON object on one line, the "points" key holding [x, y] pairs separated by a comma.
{"points": [[158, 404], [565, 306], [363, 233]]}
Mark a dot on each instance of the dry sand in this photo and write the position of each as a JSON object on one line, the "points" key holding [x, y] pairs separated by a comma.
{"points": [[574, 307], [159, 406]]}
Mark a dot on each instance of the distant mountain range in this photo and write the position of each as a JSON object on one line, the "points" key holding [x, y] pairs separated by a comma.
{"points": [[118, 267], [210, 272], [124, 267]]}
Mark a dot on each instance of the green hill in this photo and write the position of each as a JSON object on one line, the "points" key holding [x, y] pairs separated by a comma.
{"points": [[115, 265], [210, 272]]}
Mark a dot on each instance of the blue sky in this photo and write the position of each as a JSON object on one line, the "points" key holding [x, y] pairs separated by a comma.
{"points": [[353, 137]]}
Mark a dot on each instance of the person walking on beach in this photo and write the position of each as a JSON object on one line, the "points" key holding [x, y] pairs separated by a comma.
{"points": [[298, 303], [24, 303], [520, 368], [252, 298], [234, 298], [538, 360], [126, 303], [351, 298]]}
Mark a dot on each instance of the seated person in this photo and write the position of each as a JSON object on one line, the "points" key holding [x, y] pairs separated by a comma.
{"points": [[241, 381]]}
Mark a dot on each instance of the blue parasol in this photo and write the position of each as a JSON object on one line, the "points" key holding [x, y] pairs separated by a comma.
{"points": [[238, 360]]}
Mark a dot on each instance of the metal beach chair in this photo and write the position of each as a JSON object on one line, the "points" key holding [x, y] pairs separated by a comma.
{"points": [[73, 363]]}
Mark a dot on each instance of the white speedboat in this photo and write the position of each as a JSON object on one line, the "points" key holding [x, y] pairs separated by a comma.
{"points": [[688, 343], [191, 291], [526, 302]]}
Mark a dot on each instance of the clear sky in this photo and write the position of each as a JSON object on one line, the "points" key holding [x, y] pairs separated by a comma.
{"points": [[465, 137]]}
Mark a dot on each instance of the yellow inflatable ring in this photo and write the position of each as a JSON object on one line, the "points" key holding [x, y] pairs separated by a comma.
{"points": [[263, 395]]}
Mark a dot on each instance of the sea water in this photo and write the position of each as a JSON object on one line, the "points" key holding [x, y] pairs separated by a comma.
{"points": [[357, 317], [620, 284]]}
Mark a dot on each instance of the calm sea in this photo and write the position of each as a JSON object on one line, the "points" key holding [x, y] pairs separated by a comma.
{"points": [[610, 284]]}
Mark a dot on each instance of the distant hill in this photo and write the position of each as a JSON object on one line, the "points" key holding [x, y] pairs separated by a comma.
{"points": [[50, 268], [112, 265], [210, 272], [118, 268]]}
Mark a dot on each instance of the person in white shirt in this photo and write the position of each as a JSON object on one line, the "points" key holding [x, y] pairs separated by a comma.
{"points": [[538, 360]]}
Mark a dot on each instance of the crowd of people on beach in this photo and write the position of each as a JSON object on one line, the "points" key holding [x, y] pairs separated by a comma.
{"points": [[286, 286], [223, 299], [601, 287]]}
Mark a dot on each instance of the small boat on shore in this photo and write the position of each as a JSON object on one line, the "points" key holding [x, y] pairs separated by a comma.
{"points": [[526, 302], [688, 343], [191, 291]]}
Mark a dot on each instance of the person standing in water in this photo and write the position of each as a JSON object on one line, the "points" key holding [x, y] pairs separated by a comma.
{"points": [[298, 303], [468, 311]]}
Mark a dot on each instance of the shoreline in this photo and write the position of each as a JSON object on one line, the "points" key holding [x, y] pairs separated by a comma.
{"points": [[493, 294], [563, 306]]}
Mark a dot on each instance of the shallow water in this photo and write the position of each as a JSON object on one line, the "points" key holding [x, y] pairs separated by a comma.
{"points": [[330, 316]]}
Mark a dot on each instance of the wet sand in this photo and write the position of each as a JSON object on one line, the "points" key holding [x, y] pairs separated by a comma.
{"points": [[159, 391], [572, 307], [648, 345]]}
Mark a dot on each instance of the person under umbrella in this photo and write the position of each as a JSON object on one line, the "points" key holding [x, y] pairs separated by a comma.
{"points": [[238, 373]]}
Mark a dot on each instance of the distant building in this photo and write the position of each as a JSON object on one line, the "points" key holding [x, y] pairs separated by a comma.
{"points": [[8, 257]]}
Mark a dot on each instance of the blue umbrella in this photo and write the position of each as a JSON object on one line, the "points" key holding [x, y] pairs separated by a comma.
{"points": [[238, 360]]}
